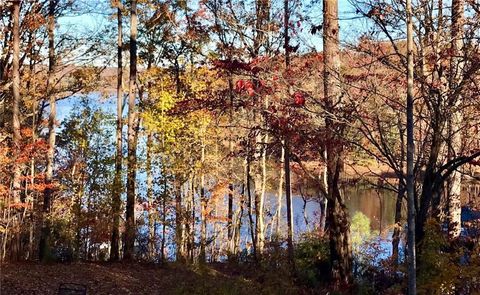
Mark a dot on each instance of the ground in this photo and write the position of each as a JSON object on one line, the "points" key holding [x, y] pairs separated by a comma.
{"points": [[118, 278]]}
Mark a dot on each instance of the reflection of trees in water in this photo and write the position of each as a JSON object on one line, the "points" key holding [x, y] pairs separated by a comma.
{"points": [[470, 195], [377, 204]]}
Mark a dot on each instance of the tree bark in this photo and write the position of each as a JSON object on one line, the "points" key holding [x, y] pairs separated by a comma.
{"points": [[340, 246], [457, 65], [117, 186], [398, 225], [278, 213], [47, 198], [16, 101], [164, 216], [203, 204], [179, 224], [286, 147], [151, 209], [130, 230], [412, 281], [231, 184], [262, 17], [288, 195]]}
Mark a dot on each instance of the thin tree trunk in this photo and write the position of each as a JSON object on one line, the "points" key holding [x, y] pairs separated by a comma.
{"points": [[286, 147], [130, 230], [250, 210], [262, 17], [457, 65], [398, 223], [117, 188], [47, 198], [179, 233], [16, 101], [340, 246], [278, 213], [412, 281], [203, 204], [164, 217], [288, 195], [323, 215], [259, 239], [230, 186], [151, 209]]}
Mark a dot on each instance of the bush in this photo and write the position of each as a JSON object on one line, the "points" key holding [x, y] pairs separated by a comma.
{"points": [[312, 259], [445, 267]]}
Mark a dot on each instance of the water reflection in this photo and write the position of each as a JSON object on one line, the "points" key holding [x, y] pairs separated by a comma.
{"points": [[377, 205]]}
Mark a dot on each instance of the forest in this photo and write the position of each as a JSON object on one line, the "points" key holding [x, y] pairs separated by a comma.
{"points": [[239, 147]]}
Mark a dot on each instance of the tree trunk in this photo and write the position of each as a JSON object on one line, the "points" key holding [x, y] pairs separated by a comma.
{"points": [[16, 102], [250, 210], [278, 213], [179, 232], [130, 230], [203, 204], [457, 65], [262, 17], [164, 216], [259, 196], [288, 195], [117, 186], [398, 223], [230, 186], [47, 198], [412, 281], [151, 209], [340, 246], [286, 147]]}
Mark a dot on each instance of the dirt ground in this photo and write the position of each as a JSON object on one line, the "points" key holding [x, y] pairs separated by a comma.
{"points": [[118, 278]]}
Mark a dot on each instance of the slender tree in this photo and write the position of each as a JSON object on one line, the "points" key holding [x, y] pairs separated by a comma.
{"points": [[117, 186], [16, 138], [262, 11], [410, 160], [456, 120], [47, 198], [286, 148], [130, 230], [151, 210]]}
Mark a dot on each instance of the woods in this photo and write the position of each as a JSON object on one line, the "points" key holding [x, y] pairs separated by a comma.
{"points": [[248, 139]]}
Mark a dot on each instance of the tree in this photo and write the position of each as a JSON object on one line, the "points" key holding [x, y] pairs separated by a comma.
{"points": [[412, 289], [117, 185], [286, 149], [44, 239], [455, 122], [340, 246], [16, 136], [130, 230]]}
